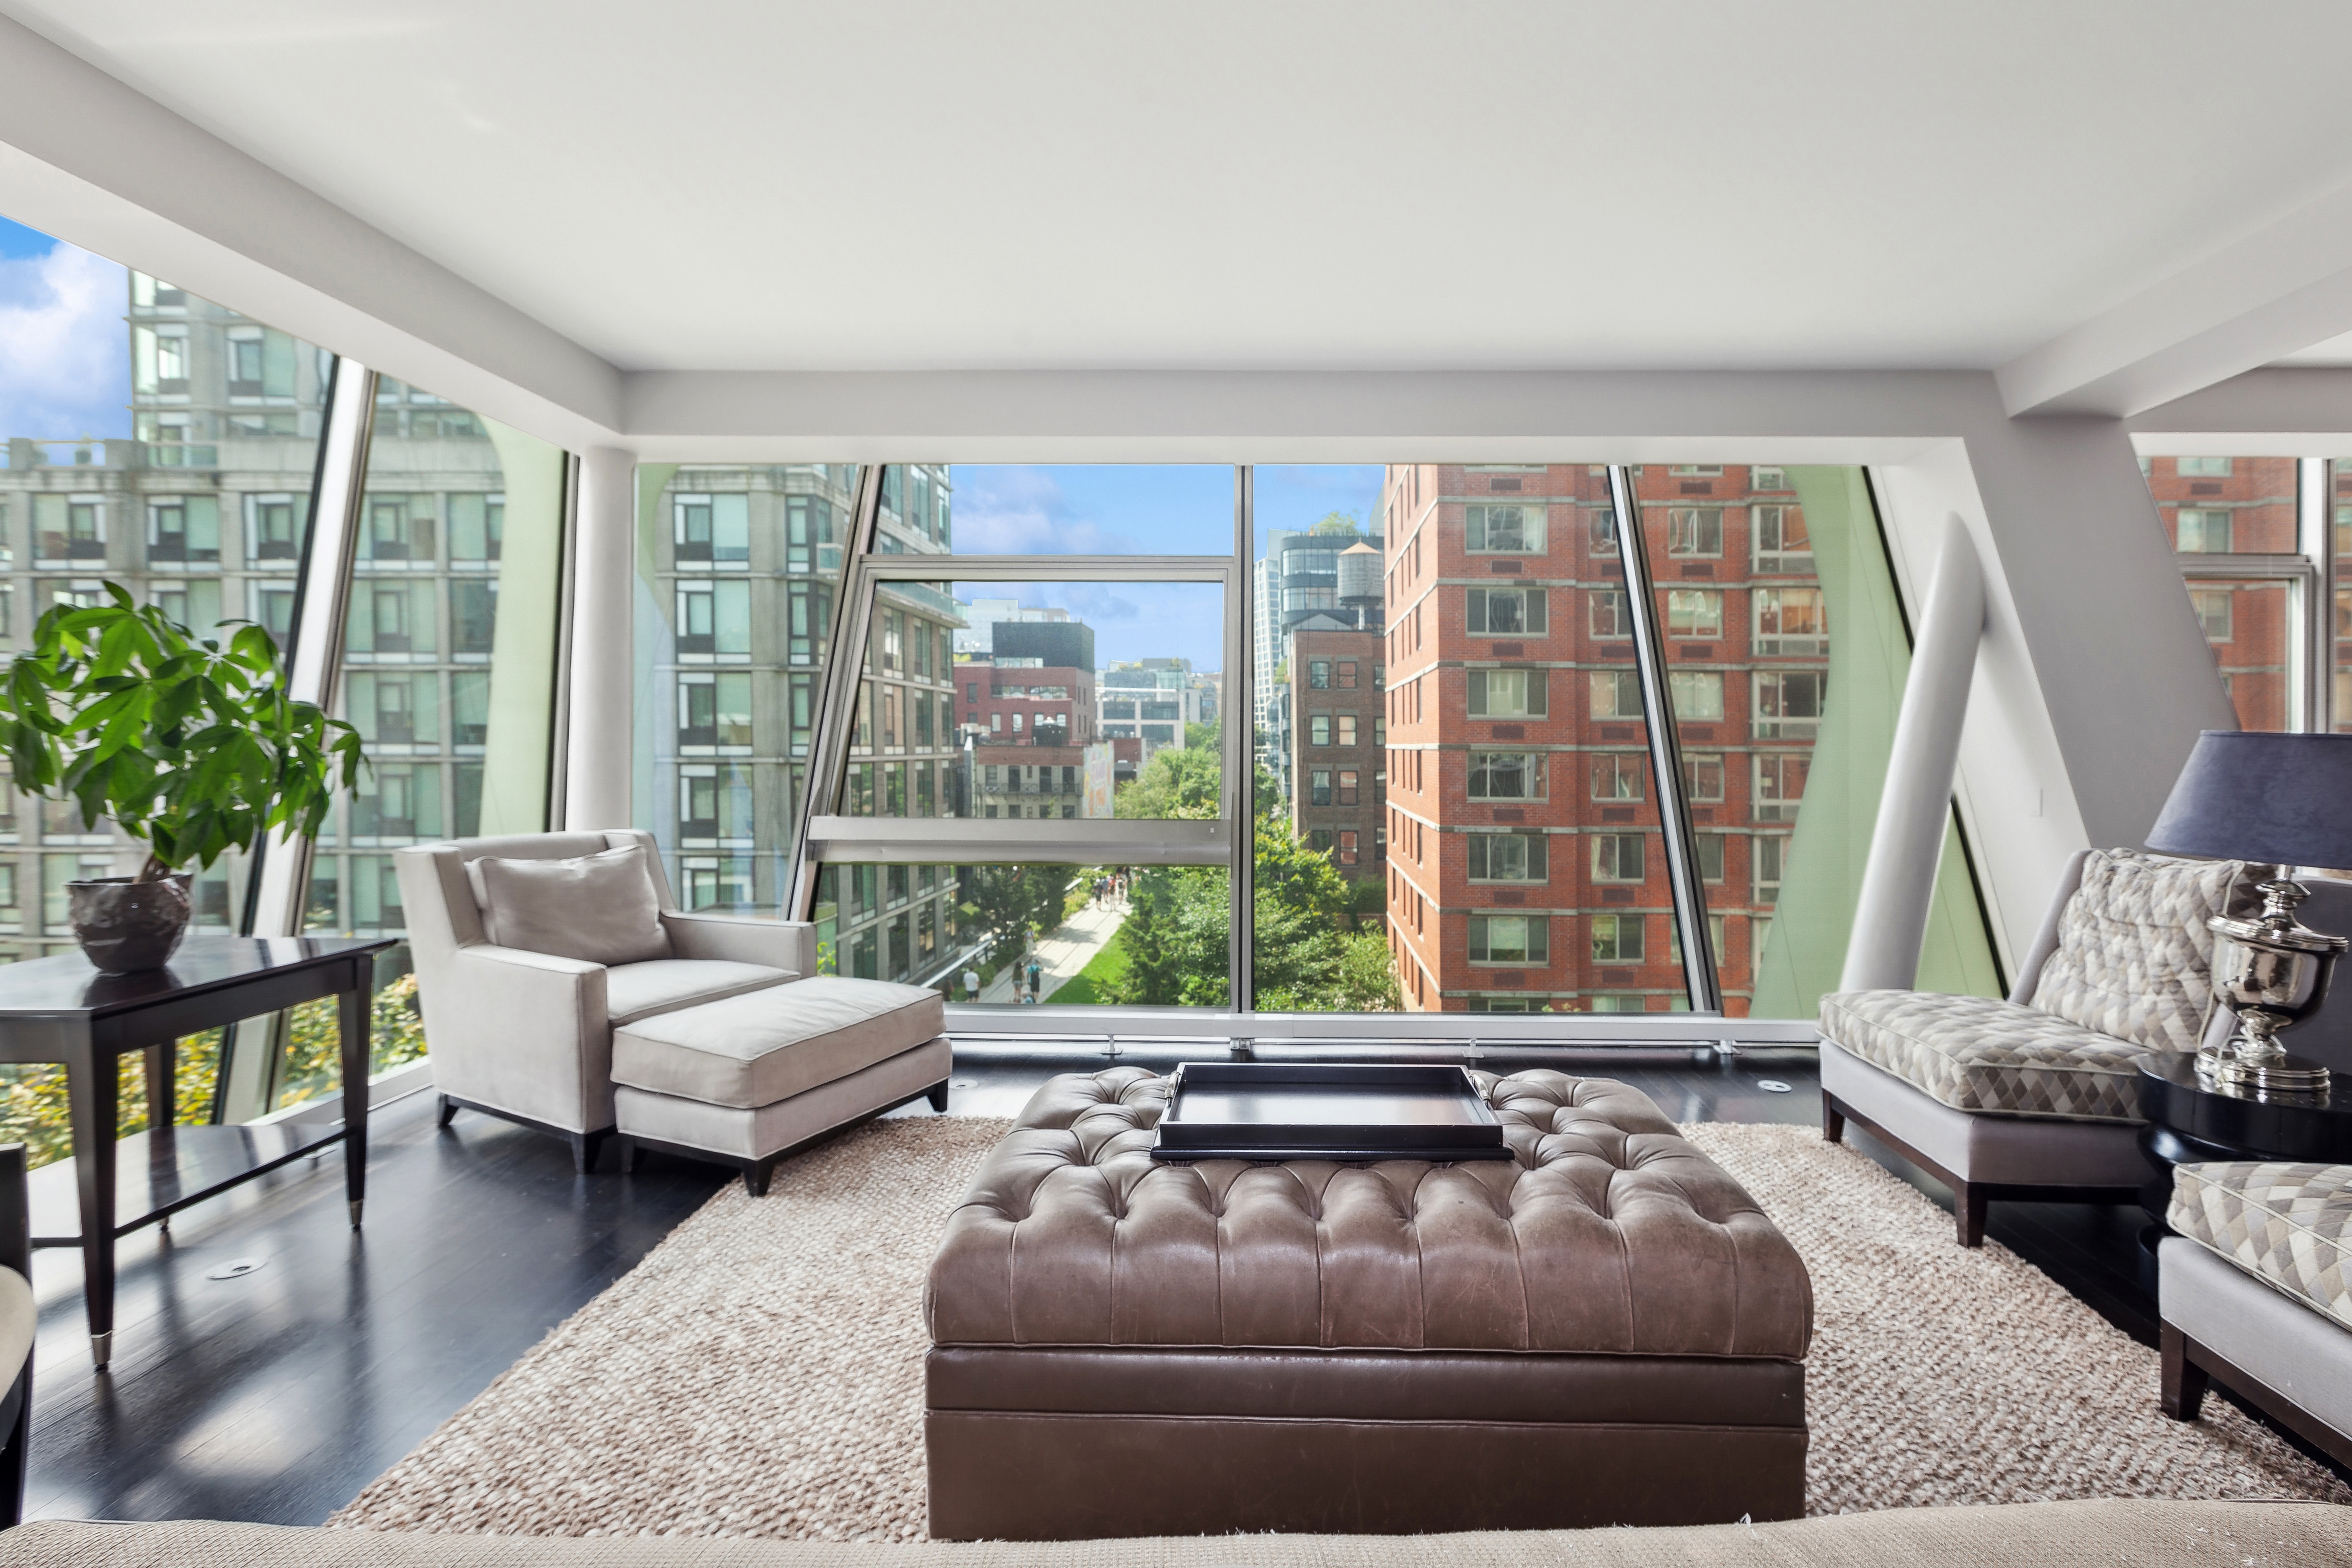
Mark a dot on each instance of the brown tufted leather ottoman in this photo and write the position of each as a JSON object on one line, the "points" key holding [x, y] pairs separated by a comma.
{"points": [[1605, 1331]]}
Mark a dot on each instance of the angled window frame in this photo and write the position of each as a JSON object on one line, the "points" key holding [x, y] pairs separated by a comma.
{"points": [[830, 836]]}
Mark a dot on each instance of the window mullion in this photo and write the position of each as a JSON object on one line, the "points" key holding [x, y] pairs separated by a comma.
{"points": [[1665, 749], [845, 667], [2315, 531], [1237, 712]]}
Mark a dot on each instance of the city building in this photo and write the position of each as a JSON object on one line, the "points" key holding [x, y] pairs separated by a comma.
{"points": [[1267, 639], [982, 615], [1528, 872], [1034, 688], [1037, 780], [746, 569], [1340, 756], [2250, 611], [1152, 699]]}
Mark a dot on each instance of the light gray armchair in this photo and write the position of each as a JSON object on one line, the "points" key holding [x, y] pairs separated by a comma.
{"points": [[528, 1036]]}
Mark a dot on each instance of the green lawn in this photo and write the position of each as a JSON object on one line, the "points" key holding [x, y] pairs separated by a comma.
{"points": [[1093, 987]]}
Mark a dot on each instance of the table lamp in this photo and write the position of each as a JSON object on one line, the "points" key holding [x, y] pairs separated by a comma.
{"points": [[2285, 800]]}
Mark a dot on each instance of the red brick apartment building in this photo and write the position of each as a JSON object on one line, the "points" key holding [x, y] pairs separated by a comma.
{"points": [[1340, 736], [1526, 871], [2237, 506], [1036, 706]]}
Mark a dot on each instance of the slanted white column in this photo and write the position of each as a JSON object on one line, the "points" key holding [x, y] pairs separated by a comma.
{"points": [[596, 769], [1898, 881]]}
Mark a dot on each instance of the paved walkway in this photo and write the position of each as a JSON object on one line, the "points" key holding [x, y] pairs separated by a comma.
{"points": [[1064, 953]]}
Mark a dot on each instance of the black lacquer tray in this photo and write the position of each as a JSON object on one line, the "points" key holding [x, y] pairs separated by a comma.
{"points": [[1336, 1110]]}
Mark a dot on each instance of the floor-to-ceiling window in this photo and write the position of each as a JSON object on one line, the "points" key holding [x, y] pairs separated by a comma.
{"points": [[1026, 782], [1461, 699]]}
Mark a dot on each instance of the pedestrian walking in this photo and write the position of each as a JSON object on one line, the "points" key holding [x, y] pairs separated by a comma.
{"points": [[1037, 978], [972, 984]]}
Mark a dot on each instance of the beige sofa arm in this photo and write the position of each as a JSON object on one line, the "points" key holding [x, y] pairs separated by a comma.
{"points": [[744, 939], [525, 1033]]}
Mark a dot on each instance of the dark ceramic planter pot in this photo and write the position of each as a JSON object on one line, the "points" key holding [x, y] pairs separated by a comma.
{"points": [[125, 926]]}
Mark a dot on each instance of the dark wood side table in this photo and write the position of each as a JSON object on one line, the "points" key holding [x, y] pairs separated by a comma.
{"points": [[61, 1009]]}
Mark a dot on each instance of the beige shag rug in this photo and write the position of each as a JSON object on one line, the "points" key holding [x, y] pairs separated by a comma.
{"points": [[760, 1372]]}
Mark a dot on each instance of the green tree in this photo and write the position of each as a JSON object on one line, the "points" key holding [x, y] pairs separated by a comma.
{"points": [[314, 1040], [1201, 738], [1010, 904], [1175, 936], [1337, 522], [1297, 878], [1313, 953], [1178, 782]]}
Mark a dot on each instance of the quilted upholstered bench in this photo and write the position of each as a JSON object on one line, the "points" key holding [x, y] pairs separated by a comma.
{"points": [[2255, 1287], [1604, 1330], [2037, 1098]]}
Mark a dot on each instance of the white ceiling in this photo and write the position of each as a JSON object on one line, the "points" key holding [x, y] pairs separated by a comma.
{"points": [[1245, 184]]}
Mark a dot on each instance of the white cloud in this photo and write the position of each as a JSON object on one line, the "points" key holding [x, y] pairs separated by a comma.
{"points": [[1020, 511], [1090, 602], [65, 358]]}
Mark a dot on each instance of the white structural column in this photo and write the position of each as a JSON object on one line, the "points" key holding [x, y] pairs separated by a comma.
{"points": [[1898, 881], [596, 759]]}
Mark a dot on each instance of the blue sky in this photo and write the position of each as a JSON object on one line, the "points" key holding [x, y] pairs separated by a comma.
{"points": [[1130, 620], [1138, 509], [1299, 495], [1106, 509], [1094, 508], [65, 362], [17, 240]]}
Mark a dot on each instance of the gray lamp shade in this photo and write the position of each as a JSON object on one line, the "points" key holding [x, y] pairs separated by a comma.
{"points": [[2281, 799]]}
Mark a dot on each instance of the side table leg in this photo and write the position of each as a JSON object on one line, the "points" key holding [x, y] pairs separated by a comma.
{"points": [[91, 1095], [353, 1011], [163, 1097]]}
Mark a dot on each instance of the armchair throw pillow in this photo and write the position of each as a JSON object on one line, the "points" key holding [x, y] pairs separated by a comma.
{"points": [[2134, 959], [597, 908]]}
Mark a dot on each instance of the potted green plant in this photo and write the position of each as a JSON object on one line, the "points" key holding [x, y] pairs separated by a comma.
{"points": [[192, 747]]}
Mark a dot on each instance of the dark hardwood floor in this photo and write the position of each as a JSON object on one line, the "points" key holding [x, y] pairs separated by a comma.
{"points": [[276, 1396]]}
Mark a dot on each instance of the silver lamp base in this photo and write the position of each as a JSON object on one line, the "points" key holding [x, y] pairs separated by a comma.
{"points": [[2279, 1073], [2272, 971]]}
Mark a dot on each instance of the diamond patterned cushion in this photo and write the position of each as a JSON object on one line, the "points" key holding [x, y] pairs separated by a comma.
{"points": [[1974, 1053], [2134, 957], [2288, 1226]]}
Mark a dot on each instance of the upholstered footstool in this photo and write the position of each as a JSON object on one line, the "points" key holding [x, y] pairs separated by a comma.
{"points": [[1605, 1329], [748, 1079]]}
